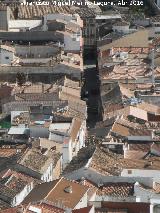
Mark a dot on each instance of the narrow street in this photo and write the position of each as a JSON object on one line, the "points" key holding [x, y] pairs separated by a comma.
{"points": [[91, 91]]}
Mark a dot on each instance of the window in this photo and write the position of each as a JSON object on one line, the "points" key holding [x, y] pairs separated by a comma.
{"points": [[129, 171], [6, 57]]}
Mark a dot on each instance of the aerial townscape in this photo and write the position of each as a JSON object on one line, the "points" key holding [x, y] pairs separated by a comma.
{"points": [[79, 106]]}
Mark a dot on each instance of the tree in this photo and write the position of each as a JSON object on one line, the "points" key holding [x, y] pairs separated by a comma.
{"points": [[20, 78]]}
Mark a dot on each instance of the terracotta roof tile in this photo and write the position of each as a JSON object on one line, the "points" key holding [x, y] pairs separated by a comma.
{"points": [[106, 162], [69, 193], [116, 189]]}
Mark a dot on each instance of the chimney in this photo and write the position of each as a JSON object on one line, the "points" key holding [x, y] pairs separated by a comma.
{"points": [[68, 189]]}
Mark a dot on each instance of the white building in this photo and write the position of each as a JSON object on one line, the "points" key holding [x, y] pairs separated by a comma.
{"points": [[72, 32], [23, 25], [7, 55], [71, 136], [122, 27], [158, 3], [38, 165], [69, 194], [22, 187]]}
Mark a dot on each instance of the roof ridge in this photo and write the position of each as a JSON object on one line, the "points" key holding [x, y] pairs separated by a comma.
{"points": [[60, 179]]}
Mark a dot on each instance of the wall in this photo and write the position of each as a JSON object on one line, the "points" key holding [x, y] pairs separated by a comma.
{"points": [[115, 199], [100, 178], [56, 137], [67, 153], [156, 28], [6, 57], [48, 174], [32, 36], [130, 206], [82, 138], [82, 203], [55, 16], [144, 195], [20, 197], [58, 169], [72, 42], [23, 25], [36, 51], [57, 69], [39, 131], [140, 173], [150, 99], [156, 209], [16, 113], [4, 17], [89, 33], [141, 22], [158, 3], [27, 171], [124, 29], [140, 138]]}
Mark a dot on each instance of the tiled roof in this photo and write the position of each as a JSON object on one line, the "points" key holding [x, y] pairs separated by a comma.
{"points": [[108, 210], [155, 147], [80, 160], [111, 164], [137, 39], [37, 97], [69, 193], [124, 72], [149, 107], [70, 83], [44, 207], [35, 160], [116, 190], [85, 12], [145, 147], [83, 210], [121, 23], [76, 125], [72, 27], [7, 152], [125, 128], [5, 91], [122, 189], [129, 154], [155, 18], [124, 207], [133, 50], [13, 183], [7, 192], [24, 105], [3, 205], [29, 12]]}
